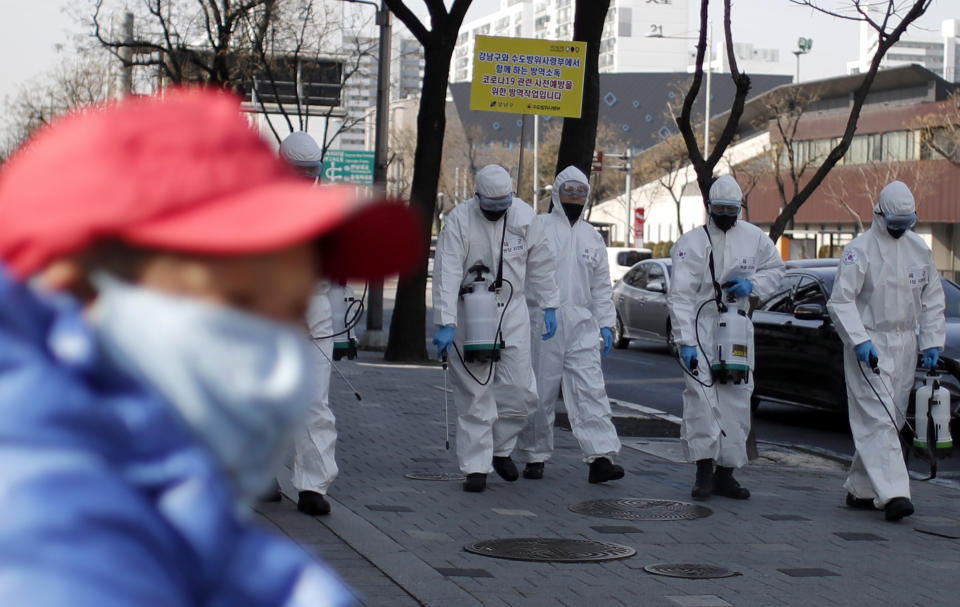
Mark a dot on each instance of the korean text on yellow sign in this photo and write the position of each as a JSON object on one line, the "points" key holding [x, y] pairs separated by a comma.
{"points": [[526, 76]]}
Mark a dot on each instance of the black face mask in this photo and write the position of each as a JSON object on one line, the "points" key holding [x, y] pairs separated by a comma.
{"points": [[896, 233], [493, 215], [724, 222], [572, 210]]}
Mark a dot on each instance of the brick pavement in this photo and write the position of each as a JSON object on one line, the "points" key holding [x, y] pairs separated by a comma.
{"points": [[400, 542]]}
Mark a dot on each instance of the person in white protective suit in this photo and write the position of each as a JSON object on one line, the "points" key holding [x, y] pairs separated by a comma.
{"points": [[490, 228], [314, 463], [716, 415], [572, 358], [886, 288]]}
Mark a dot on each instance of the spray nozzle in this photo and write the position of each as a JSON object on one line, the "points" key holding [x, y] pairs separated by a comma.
{"points": [[873, 364], [443, 360]]}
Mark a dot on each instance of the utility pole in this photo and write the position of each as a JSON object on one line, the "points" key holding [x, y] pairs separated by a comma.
{"points": [[629, 169], [374, 337]]}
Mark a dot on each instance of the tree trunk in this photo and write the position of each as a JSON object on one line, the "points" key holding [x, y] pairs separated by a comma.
{"points": [[407, 341], [579, 135]]}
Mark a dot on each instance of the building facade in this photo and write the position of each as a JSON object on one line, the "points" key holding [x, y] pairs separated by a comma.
{"points": [[939, 54]]}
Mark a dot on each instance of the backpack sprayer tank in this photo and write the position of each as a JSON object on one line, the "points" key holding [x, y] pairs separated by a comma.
{"points": [[344, 344], [731, 363], [481, 318], [933, 401]]}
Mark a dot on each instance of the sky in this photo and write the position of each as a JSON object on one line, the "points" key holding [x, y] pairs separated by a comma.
{"points": [[32, 31]]}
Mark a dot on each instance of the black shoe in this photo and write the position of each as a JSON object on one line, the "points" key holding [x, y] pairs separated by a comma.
{"points": [[272, 494], [703, 486], [860, 503], [533, 470], [603, 470], [724, 484], [505, 467], [897, 508], [475, 483], [313, 503]]}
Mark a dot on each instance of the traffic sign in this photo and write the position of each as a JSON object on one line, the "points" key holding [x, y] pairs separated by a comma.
{"points": [[350, 166], [638, 220]]}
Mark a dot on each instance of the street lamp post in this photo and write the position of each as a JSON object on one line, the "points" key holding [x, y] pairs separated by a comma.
{"points": [[803, 47], [374, 338], [709, 61]]}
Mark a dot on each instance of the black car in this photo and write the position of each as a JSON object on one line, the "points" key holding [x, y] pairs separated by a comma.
{"points": [[799, 355]]}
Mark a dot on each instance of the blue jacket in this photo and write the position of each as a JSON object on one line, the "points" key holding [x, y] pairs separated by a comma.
{"points": [[106, 498]]}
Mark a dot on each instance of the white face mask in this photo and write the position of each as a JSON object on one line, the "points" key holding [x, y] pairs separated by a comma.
{"points": [[241, 382]]}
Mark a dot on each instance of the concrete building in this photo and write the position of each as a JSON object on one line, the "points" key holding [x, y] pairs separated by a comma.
{"points": [[938, 53], [638, 36], [889, 144]]}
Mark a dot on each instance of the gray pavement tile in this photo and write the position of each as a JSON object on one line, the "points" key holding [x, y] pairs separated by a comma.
{"points": [[458, 572], [808, 572]]}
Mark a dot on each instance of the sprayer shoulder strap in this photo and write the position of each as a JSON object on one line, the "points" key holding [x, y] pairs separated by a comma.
{"points": [[713, 271]]}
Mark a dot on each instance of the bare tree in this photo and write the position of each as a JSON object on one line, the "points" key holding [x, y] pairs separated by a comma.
{"points": [[579, 136], [940, 131], [408, 325], [704, 166], [81, 81], [892, 22]]}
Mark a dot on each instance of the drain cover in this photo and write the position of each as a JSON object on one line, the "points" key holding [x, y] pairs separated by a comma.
{"points": [[642, 510], [691, 571], [546, 549], [435, 476]]}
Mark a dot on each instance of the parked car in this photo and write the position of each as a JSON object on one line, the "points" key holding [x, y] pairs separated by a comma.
{"points": [[621, 259], [640, 299], [799, 355]]}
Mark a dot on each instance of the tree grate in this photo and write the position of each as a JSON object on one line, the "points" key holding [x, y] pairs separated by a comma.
{"points": [[435, 476], [693, 571], [630, 509], [551, 550]]}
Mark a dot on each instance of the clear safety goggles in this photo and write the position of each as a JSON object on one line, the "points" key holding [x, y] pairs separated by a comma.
{"points": [[575, 189], [725, 207], [311, 171], [905, 221], [501, 203]]}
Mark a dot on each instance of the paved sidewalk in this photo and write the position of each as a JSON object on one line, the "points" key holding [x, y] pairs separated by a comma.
{"points": [[399, 542]]}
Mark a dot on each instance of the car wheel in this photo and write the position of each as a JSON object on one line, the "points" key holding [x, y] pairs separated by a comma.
{"points": [[619, 341]]}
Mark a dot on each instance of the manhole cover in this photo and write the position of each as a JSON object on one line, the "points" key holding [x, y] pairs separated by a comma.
{"points": [[642, 510], [556, 550], [435, 476], [692, 571]]}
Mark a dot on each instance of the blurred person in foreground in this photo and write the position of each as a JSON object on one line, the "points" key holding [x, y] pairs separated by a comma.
{"points": [[156, 259], [887, 301], [314, 454], [571, 360]]}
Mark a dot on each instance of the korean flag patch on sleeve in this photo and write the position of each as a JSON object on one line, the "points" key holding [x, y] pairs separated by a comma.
{"points": [[850, 257]]}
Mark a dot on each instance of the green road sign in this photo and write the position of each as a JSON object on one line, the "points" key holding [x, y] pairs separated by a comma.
{"points": [[348, 166]]}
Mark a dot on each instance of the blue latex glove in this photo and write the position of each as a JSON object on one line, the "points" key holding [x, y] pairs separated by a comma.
{"points": [[740, 287], [930, 358], [549, 323], [689, 356], [607, 334], [443, 339], [864, 351]]}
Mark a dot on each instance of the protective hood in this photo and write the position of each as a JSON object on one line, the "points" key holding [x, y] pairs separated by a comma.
{"points": [[571, 173], [896, 209], [726, 189], [493, 181], [896, 199], [299, 149]]}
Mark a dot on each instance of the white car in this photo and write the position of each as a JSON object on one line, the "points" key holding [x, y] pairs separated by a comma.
{"points": [[621, 259]]}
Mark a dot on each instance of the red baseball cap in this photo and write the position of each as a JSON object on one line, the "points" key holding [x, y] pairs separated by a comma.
{"points": [[184, 171]]}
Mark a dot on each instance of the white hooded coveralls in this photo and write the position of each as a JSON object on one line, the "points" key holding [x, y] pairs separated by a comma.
{"points": [[314, 464], [886, 288], [743, 251], [490, 417], [572, 357]]}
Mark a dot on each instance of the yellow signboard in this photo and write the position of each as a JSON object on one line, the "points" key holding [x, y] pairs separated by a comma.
{"points": [[527, 76]]}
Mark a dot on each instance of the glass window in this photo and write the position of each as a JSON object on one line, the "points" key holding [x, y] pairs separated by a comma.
{"points": [[857, 152], [637, 277], [951, 293], [625, 24], [781, 300]]}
